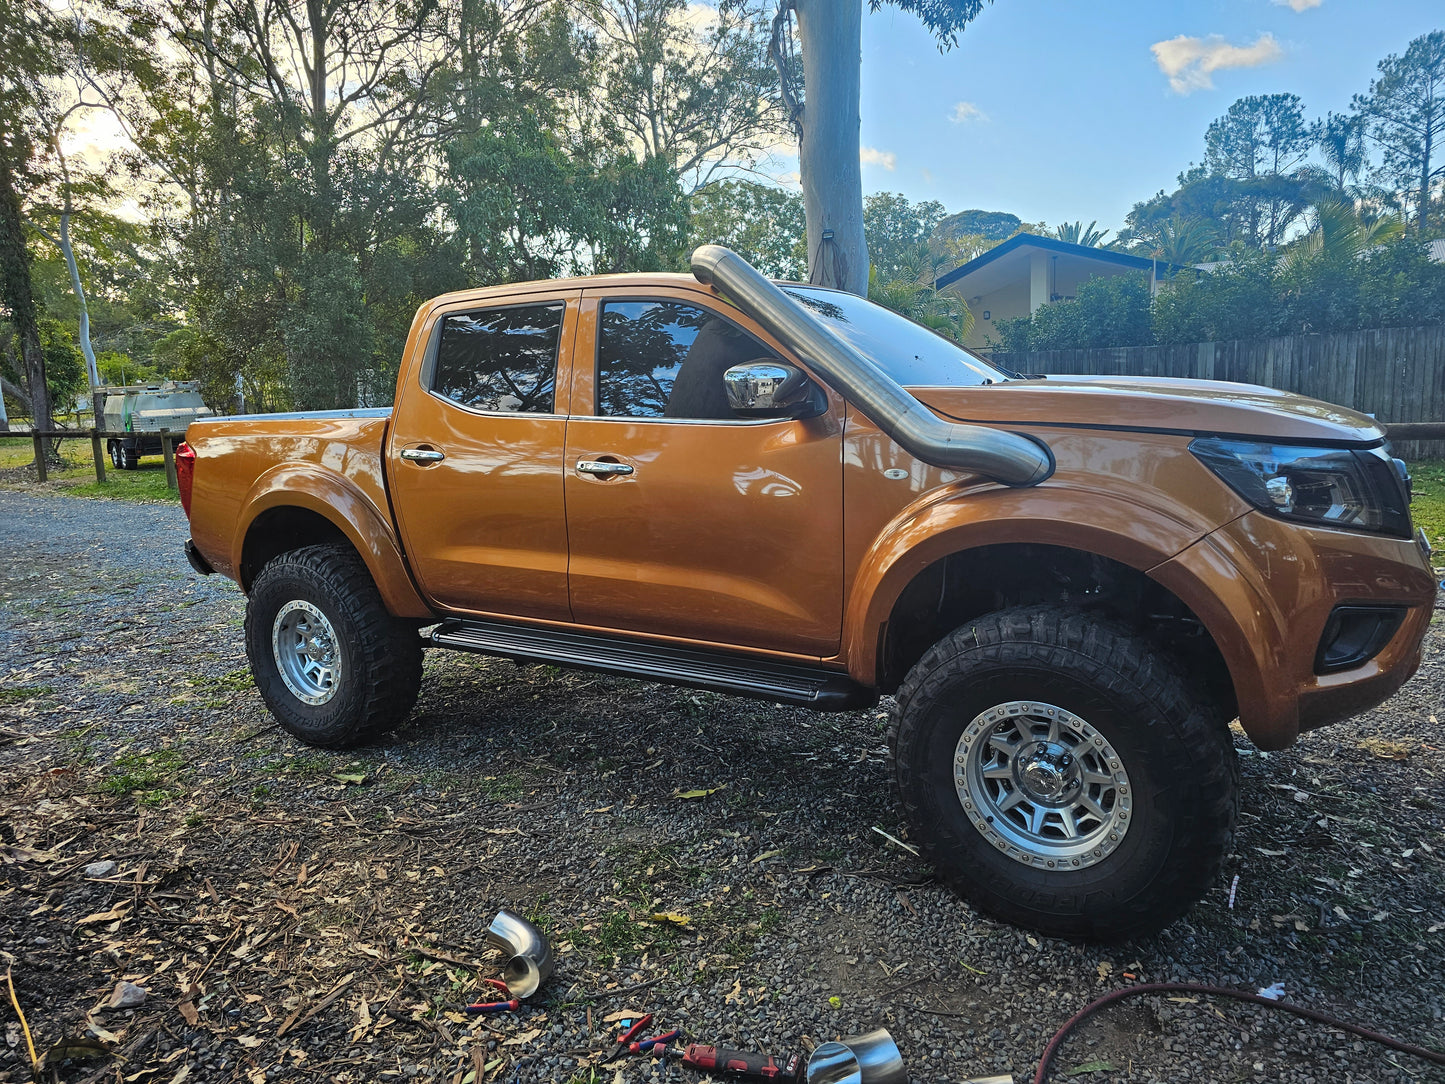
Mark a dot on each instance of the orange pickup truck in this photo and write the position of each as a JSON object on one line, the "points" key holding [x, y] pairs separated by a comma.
{"points": [[1069, 585]]}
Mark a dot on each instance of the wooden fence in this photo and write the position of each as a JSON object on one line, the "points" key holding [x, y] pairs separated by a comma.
{"points": [[41, 437], [1396, 374]]}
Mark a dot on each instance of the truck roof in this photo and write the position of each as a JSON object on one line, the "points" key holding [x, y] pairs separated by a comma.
{"points": [[584, 282]]}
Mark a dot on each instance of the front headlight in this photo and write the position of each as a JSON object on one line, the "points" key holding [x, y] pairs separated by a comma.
{"points": [[1359, 490]]}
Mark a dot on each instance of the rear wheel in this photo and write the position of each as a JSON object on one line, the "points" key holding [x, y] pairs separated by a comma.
{"points": [[332, 665], [117, 458], [1061, 775]]}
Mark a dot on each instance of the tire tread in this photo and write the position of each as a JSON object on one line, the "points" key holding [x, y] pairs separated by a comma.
{"points": [[1121, 662]]}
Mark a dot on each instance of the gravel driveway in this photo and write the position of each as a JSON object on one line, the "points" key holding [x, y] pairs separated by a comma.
{"points": [[297, 915]]}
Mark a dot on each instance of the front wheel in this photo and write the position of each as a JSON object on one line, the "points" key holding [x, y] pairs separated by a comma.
{"points": [[1061, 775], [334, 667]]}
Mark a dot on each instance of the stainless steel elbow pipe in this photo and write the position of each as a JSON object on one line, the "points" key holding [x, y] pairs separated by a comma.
{"points": [[860, 1059], [530, 955], [1011, 458]]}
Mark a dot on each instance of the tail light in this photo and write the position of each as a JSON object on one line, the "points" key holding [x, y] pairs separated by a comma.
{"points": [[185, 474]]}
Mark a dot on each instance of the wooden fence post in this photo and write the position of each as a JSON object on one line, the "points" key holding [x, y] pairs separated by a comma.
{"points": [[97, 456], [169, 453], [39, 442]]}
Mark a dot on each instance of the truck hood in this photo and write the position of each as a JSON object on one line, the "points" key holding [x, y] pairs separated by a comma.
{"points": [[1183, 406]]}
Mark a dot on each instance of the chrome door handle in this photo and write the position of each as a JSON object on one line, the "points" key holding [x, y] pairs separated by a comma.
{"points": [[423, 455], [598, 467]]}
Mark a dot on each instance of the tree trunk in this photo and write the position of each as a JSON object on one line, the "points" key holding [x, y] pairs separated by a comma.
{"points": [[1426, 151], [830, 33], [68, 250], [15, 291]]}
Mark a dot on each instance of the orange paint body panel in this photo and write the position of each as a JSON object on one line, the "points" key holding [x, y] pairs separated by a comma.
{"points": [[725, 533], [794, 540]]}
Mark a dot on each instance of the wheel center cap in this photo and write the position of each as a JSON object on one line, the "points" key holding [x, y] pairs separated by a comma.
{"points": [[1048, 772], [316, 649]]}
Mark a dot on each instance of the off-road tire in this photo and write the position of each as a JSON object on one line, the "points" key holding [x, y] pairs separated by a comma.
{"points": [[1174, 745], [380, 657]]}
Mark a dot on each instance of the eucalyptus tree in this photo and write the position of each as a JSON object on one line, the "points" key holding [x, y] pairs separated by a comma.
{"points": [[824, 108]]}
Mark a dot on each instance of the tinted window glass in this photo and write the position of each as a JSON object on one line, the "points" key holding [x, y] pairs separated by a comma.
{"points": [[910, 353], [500, 359], [664, 359]]}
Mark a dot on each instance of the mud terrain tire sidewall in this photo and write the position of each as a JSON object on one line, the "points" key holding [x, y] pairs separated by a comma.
{"points": [[1177, 752], [381, 657]]}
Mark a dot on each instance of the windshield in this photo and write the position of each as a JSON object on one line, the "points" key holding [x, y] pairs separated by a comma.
{"points": [[910, 353]]}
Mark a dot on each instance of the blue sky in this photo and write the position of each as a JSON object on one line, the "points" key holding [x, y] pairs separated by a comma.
{"points": [[1068, 114]]}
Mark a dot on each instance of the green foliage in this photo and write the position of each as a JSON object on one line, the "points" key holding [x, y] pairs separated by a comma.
{"points": [[761, 223], [943, 18], [65, 373], [1110, 311], [1258, 144], [989, 225], [1428, 507], [945, 314], [119, 369], [1076, 233], [1405, 111], [898, 234]]}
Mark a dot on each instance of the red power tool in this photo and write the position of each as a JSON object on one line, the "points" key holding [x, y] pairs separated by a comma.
{"points": [[744, 1064]]}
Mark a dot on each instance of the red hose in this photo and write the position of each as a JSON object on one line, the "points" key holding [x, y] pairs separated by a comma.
{"points": [[1220, 991]]}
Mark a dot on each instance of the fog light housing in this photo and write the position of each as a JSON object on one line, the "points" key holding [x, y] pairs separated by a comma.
{"points": [[1354, 635]]}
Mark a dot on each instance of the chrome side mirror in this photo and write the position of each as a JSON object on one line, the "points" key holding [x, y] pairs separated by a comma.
{"points": [[767, 388]]}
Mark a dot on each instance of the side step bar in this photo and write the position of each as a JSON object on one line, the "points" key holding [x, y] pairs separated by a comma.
{"points": [[821, 690]]}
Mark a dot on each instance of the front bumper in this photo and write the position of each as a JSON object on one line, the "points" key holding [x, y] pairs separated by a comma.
{"points": [[1265, 589]]}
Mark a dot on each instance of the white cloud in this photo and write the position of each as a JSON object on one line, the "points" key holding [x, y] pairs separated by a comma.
{"points": [[1189, 62], [1299, 5], [927, 175], [963, 112], [871, 157]]}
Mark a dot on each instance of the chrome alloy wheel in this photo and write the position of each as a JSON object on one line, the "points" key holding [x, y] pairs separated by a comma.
{"points": [[1042, 785], [306, 652]]}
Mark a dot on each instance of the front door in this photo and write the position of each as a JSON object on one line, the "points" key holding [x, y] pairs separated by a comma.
{"points": [[684, 520], [475, 459]]}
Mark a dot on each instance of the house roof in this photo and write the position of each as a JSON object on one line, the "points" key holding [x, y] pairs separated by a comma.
{"points": [[1010, 260]]}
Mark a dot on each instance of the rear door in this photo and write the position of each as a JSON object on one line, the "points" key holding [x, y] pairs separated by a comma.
{"points": [[475, 461], [684, 520]]}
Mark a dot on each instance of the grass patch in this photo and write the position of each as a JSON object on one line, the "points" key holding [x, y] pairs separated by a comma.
{"points": [[1428, 507], [220, 692], [14, 694], [147, 776], [77, 475]]}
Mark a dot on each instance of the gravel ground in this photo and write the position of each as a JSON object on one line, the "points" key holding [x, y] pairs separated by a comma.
{"points": [[297, 915]]}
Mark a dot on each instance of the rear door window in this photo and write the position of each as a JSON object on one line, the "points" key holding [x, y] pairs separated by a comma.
{"points": [[502, 360]]}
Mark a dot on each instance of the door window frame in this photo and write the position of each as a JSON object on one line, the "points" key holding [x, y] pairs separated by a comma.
{"points": [[566, 344], [586, 378]]}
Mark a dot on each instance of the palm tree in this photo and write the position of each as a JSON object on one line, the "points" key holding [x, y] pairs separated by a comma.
{"points": [[921, 303], [1340, 230], [1076, 233], [1178, 240], [1341, 140]]}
